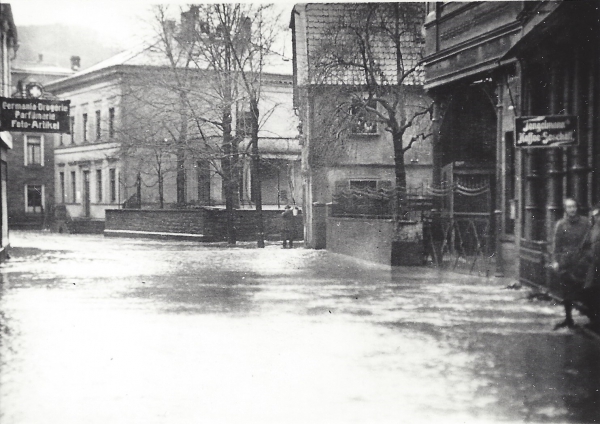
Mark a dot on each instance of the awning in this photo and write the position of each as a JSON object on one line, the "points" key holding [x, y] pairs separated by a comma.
{"points": [[6, 138], [553, 21]]}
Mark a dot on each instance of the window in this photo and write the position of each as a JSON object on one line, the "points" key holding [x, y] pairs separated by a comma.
{"points": [[243, 124], [33, 198], [98, 126], [203, 171], [34, 150], [72, 130], [61, 182], [111, 122], [99, 185], [85, 123], [363, 184], [73, 188], [362, 122], [112, 174]]}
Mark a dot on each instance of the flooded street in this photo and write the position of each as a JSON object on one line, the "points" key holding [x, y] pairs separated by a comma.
{"points": [[101, 330]]}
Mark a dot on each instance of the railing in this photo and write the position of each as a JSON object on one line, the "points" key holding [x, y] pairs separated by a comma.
{"points": [[460, 241], [378, 204], [463, 244]]}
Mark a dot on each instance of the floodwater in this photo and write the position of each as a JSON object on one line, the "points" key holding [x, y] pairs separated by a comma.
{"points": [[102, 330]]}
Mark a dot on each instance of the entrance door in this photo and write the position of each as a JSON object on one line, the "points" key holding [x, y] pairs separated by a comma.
{"points": [[86, 193]]}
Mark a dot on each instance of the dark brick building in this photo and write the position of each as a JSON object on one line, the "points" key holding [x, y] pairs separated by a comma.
{"points": [[31, 161], [490, 65]]}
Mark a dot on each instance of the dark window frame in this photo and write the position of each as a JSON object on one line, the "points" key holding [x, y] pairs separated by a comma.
{"points": [[34, 196], [61, 181], [30, 150], [112, 172], [111, 122], [98, 125], [361, 125], [99, 191], [85, 124], [73, 187]]}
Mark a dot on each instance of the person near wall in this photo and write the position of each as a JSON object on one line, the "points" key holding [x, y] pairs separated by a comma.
{"points": [[288, 227], [591, 292], [569, 235]]}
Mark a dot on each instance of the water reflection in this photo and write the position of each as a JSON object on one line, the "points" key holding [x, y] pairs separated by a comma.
{"points": [[160, 332]]}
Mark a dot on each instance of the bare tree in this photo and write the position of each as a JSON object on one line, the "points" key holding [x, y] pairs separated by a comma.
{"points": [[201, 70], [369, 58], [234, 41]]}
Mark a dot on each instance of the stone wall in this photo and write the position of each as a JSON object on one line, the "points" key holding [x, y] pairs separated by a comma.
{"points": [[202, 224], [366, 239]]}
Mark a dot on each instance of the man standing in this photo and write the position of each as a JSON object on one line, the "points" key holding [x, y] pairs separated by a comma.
{"points": [[569, 235], [288, 227], [592, 280]]}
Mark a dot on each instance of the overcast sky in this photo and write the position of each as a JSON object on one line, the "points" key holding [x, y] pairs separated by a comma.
{"points": [[120, 19]]}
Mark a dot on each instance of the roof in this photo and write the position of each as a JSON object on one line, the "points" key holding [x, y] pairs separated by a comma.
{"points": [[39, 68], [326, 42], [149, 54]]}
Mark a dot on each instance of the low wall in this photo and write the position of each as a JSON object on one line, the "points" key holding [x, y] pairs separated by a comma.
{"points": [[367, 239], [200, 224], [188, 221]]}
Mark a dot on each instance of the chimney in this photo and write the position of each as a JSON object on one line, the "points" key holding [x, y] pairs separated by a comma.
{"points": [[170, 27], [75, 63], [40, 58]]}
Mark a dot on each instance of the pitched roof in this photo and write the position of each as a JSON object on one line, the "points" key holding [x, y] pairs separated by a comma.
{"points": [[149, 54], [40, 68], [327, 43]]}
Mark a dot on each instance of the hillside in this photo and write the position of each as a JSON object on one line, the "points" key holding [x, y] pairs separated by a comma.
{"points": [[57, 43]]}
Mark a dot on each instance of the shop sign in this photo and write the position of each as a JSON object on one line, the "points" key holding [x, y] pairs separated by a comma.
{"points": [[546, 131], [34, 115]]}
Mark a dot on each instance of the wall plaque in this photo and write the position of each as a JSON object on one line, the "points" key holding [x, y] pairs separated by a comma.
{"points": [[546, 131]]}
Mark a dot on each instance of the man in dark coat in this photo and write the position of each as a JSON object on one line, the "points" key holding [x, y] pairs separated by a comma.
{"points": [[569, 235], [592, 280], [288, 227]]}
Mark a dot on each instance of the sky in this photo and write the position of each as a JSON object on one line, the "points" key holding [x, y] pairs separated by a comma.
{"points": [[125, 21]]}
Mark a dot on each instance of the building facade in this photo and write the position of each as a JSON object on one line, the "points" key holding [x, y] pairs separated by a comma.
{"points": [[120, 113], [31, 192], [8, 49], [363, 156], [488, 66]]}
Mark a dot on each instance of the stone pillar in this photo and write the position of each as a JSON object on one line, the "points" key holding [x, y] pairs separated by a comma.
{"points": [[436, 146], [579, 166], [554, 166]]}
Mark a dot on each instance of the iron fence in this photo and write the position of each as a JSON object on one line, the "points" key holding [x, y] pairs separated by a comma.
{"points": [[463, 244], [379, 204]]}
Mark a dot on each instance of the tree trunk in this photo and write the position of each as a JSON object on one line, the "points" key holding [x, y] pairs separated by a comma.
{"points": [[228, 176], [138, 192], [256, 183], [180, 178], [161, 191], [400, 171]]}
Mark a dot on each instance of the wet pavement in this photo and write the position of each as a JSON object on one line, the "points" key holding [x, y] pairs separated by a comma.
{"points": [[102, 330]]}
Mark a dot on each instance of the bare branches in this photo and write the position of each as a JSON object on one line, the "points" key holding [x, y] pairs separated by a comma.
{"points": [[370, 54], [415, 118]]}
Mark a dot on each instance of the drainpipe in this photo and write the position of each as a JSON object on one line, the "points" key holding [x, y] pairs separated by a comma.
{"points": [[497, 201]]}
